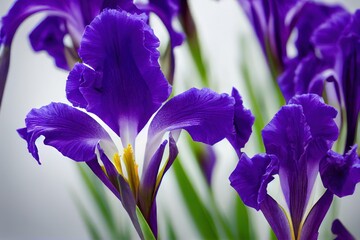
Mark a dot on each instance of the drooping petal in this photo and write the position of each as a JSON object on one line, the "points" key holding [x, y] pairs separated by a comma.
{"points": [[340, 231], [22, 9], [48, 36], [207, 159], [74, 82], [341, 173], [206, 115], [310, 229], [121, 82], [277, 218], [251, 177], [72, 132], [71, 12], [243, 121]]}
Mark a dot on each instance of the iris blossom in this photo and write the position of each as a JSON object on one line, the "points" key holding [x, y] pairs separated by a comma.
{"points": [[297, 142], [120, 81], [334, 57], [275, 21], [63, 18], [69, 18]]}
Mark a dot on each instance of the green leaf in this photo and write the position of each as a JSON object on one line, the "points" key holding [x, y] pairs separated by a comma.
{"points": [[89, 223], [243, 228], [146, 230], [171, 235], [197, 209], [98, 196], [256, 103], [272, 235]]}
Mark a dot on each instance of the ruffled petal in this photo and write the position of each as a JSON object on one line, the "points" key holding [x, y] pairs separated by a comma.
{"points": [[243, 121], [319, 116], [327, 35], [251, 177], [341, 173], [340, 231], [318, 13], [206, 115], [48, 36], [121, 81], [72, 132]]}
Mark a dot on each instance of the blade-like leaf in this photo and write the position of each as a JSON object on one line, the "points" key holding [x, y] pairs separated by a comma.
{"points": [[89, 223], [98, 196], [148, 235], [243, 228], [197, 209]]}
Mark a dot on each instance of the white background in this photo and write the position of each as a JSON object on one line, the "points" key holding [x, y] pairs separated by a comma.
{"points": [[36, 201]]}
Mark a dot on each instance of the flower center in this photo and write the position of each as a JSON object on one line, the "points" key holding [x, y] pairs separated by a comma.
{"points": [[131, 169]]}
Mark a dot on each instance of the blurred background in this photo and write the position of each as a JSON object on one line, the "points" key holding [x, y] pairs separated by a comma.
{"points": [[37, 202]]}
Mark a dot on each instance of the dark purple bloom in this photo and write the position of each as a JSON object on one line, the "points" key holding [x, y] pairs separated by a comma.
{"points": [[69, 18], [333, 56], [120, 81], [297, 142], [63, 18], [268, 18], [341, 173]]}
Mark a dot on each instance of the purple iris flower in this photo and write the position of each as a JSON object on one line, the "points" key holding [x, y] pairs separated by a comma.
{"points": [[298, 142], [63, 18], [334, 57], [120, 81], [69, 18], [275, 21]]}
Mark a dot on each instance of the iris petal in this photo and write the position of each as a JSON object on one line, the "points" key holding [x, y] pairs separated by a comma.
{"points": [[251, 177], [206, 115], [124, 85], [243, 121], [48, 36], [339, 173], [319, 116], [72, 132], [310, 230]]}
